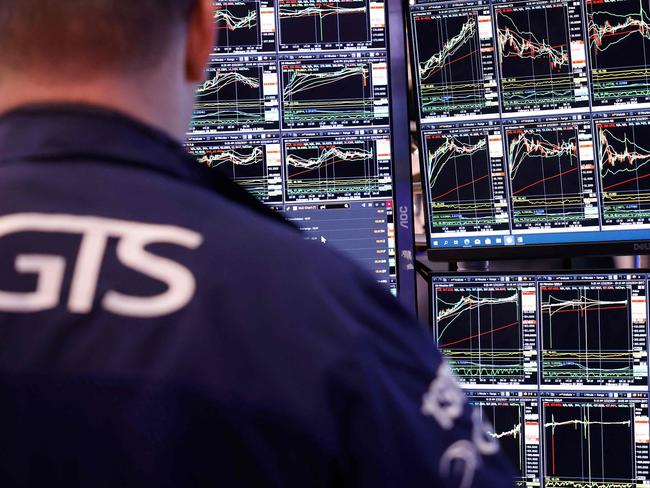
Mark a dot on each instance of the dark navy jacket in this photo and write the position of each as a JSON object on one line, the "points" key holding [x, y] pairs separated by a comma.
{"points": [[159, 327]]}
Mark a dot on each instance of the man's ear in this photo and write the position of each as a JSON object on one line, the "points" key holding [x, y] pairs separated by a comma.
{"points": [[201, 37]]}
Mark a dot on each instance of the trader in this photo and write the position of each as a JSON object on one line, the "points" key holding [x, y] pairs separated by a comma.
{"points": [[158, 327]]}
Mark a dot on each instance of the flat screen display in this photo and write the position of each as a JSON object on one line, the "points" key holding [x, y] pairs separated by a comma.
{"points": [[296, 108], [533, 121], [558, 365]]}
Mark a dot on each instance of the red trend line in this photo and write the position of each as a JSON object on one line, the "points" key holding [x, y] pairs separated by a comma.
{"points": [[553, 449], [619, 33], [492, 331], [626, 181], [452, 62], [617, 307], [545, 179], [460, 186]]}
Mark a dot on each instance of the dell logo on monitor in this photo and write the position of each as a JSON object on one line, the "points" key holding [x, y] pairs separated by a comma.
{"points": [[642, 246]]}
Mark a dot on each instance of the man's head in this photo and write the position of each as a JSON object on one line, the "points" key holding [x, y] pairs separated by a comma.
{"points": [[150, 53]]}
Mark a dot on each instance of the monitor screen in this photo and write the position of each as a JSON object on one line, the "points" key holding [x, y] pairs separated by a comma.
{"points": [[298, 108], [533, 121], [558, 365]]}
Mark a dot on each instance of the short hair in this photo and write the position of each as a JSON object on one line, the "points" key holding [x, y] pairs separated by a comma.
{"points": [[88, 36]]}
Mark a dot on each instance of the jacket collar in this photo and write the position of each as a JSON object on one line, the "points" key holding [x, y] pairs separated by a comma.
{"points": [[54, 132]]}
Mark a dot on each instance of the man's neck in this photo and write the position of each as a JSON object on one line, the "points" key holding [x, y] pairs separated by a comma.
{"points": [[167, 112]]}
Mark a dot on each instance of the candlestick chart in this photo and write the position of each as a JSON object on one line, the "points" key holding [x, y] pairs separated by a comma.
{"points": [[619, 40], [624, 161], [246, 165], [534, 57], [507, 422], [548, 184], [238, 24], [455, 67], [466, 185], [322, 169]]}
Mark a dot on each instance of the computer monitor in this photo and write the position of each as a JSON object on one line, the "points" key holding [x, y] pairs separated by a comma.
{"points": [[533, 125], [305, 106], [558, 364]]}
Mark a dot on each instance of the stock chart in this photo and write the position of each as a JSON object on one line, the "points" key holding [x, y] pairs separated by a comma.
{"points": [[595, 440], [541, 55], [245, 26], [466, 178], [237, 96], [340, 91], [557, 366], [619, 38], [563, 86], [254, 164], [324, 25], [341, 167], [594, 332], [484, 330], [624, 169], [455, 61], [295, 108], [552, 174], [514, 421]]}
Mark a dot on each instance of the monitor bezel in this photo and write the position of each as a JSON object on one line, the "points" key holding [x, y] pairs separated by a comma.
{"points": [[397, 47]]}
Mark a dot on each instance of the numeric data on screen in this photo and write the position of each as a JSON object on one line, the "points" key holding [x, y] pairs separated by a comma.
{"points": [[514, 419], [563, 86], [486, 330], [295, 108], [557, 366], [595, 439]]}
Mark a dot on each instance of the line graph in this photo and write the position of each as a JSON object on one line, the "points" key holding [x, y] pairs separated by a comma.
{"points": [[244, 26], [507, 422], [590, 335], [534, 51], [624, 171], [455, 65], [254, 166], [466, 183], [330, 169], [237, 96], [333, 93], [214, 160], [301, 82], [449, 48], [513, 420], [549, 183], [220, 80], [589, 442], [515, 432], [227, 20], [525, 45], [619, 38], [479, 330], [322, 24]]}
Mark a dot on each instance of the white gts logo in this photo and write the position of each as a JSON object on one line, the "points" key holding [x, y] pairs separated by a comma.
{"points": [[132, 237]]}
